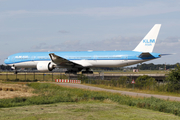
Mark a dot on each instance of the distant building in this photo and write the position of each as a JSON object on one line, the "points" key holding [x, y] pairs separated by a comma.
{"points": [[161, 68], [172, 68], [135, 70]]}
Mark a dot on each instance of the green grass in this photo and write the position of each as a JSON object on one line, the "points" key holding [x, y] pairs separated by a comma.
{"points": [[90, 110], [50, 93]]}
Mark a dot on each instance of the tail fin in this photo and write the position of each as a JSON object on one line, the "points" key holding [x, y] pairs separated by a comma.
{"points": [[148, 42]]}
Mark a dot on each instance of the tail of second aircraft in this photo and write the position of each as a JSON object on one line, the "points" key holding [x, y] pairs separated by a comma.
{"points": [[148, 42]]}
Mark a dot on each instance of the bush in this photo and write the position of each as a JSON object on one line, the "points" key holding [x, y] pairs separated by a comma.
{"points": [[123, 81], [83, 78], [173, 80], [145, 82]]}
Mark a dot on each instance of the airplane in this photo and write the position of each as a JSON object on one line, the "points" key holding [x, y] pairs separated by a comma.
{"points": [[85, 60]]}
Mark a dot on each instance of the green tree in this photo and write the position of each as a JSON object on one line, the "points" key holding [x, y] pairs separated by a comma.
{"points": [[174, 79], [123, 81], [145, 82]]}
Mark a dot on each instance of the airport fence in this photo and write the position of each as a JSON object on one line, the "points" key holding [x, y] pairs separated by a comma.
{"points": [[31, 76]]}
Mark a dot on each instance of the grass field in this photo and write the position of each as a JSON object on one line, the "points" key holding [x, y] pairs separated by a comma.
{"points": [[49, 93], [90, 110], [11, 90]]}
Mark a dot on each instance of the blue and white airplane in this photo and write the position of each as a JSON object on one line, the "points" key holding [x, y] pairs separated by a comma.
{"points": [[77, 61]]}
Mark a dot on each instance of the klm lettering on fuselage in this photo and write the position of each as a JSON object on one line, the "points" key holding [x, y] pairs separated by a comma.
{"points": [[148, 42]]}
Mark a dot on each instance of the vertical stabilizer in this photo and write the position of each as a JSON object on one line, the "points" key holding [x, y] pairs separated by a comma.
{"points": [[148, 42]]}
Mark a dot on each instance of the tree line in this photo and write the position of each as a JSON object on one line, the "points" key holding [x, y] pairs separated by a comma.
{"points": [[152, 66], [5, 67]]}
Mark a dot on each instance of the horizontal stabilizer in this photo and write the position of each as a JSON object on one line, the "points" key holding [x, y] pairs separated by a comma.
{"points": [[168, 54], [145, 55]]}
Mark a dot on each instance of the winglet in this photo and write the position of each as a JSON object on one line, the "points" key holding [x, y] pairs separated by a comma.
{"points": [[148, 42]]}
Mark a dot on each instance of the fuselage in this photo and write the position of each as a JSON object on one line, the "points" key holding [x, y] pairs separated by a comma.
{"points": [[92, 58]]}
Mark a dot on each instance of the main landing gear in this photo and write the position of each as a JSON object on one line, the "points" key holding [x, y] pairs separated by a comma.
{"points": [[87, 71]]}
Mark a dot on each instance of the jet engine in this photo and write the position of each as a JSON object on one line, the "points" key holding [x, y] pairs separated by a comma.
{"points": [[13, 68], [45, 66]]}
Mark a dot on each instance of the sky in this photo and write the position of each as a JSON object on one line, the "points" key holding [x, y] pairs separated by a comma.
{"points": [[81, 25]]}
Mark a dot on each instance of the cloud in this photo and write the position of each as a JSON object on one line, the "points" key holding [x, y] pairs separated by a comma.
{"points": [[63, 31], [117, 43], [170, 41], [168, 45], [63, 46], [39, 46], [141, 9]]}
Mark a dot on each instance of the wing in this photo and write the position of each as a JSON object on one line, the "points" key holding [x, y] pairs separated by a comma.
{"points": [[62, 61]]}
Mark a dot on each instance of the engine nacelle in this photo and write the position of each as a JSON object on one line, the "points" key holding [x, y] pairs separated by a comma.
{"points": [[45, 66], [13, 68]]}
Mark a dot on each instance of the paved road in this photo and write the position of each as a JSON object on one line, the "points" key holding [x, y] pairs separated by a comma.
{"points": [[118, 91]]}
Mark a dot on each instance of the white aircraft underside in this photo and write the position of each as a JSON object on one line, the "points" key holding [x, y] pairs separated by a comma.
{"points": [[92, 63]]}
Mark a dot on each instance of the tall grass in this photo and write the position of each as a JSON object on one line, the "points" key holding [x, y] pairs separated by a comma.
{"points": [[50, 93]]}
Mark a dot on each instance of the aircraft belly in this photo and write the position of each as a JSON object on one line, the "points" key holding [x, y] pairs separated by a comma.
{"points": [[90, 63], [113, 63], [29, 64]]}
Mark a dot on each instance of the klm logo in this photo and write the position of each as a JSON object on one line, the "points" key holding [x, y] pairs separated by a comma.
{"points": [[148, 42]]}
